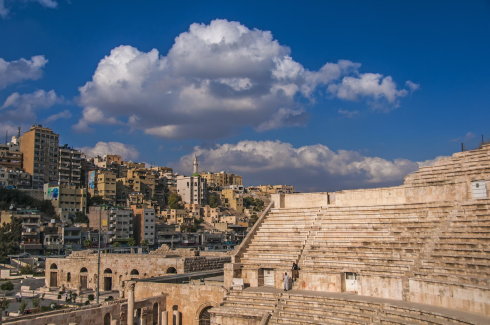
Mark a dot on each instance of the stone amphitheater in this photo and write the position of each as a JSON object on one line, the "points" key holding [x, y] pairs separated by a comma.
{"points": [[418, 253]]}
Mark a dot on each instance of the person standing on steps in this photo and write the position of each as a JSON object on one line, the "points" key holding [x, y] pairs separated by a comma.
{"points": [[294, 271], [285, 280]]}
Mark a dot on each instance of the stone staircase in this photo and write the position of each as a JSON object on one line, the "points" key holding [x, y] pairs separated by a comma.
{"points": [[381, 240], [280, 239], [254, 305]]}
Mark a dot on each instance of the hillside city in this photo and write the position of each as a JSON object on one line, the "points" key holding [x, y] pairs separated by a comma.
{"points": [[62, 200]]}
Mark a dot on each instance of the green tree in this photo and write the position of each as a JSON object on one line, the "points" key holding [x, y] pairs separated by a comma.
{"points": [[131, 242], [27, 269], [10, 239], [80, 217], [95, 200], [36, 302], [87, 243], [174, 201], [22, 307], [116, 244], [214, 199], [7, 286], [4, 304], [21, 199]]}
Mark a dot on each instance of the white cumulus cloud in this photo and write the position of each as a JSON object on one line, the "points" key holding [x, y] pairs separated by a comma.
{"points": [[101, 148], [19, 70], [57, 116], [22, 107], [370, 85], [310, 168], [215, 79]]}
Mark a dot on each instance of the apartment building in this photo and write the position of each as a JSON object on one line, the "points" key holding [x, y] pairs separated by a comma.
{"points": [[145, 225], [14, 178], [120, 224], [66, 200], [192, 189], [10, 158], [232, 199], [115, 222], [39, 147], [69, 166], [102, 183], [221, 179]]}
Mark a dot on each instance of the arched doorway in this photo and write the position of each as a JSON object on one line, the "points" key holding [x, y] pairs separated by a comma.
{"points": [[134, 274], [107, 319], [155, 314], [83, 278], [205, 316], [171, 270], [107, 279], [53, 275]]}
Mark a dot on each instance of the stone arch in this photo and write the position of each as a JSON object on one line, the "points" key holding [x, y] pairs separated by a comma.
{"points": [[155, 313], [83, 278], [202, 315], [107, 319], [68, 277], [107, 279], [134, 272], [53, 275], [171, 270]]}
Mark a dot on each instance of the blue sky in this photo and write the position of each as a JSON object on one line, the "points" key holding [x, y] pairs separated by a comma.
{"points": [[414, 83]]}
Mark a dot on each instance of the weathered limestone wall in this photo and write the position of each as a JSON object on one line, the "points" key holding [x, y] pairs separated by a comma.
{"points": [[299, 200], [188, 299], [121, 266], [201, 263], [474, 300], [90, 315]]}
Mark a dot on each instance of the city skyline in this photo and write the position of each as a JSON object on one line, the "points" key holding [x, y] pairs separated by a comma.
{"points": [[323, 103]]}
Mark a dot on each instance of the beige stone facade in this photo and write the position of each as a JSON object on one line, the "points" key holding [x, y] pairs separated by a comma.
{"points": [[79, 270]]}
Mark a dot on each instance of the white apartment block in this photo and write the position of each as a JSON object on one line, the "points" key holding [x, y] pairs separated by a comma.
{"points": [[192, 189]]}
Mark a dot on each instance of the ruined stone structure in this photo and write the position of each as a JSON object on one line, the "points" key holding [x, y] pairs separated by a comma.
{"points": [[415, 253], [131, 311], [79, 270]]}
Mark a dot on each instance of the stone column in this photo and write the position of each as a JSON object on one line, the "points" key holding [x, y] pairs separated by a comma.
{"points": [[177, 317], [143, 316], [164, 318], [131, 303]]}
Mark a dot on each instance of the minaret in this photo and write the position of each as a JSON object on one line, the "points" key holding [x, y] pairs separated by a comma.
{"points": [[196, 166]]}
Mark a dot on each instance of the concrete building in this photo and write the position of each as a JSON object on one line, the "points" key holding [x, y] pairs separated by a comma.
{"points": [[66, 200], [117, 223], [232, 199], [120, 225], [192, 189], [69, 166], [10, 158], [31, 241], [145, 225], [102, 183], [14, 178], [39, 147], [222, 179]]}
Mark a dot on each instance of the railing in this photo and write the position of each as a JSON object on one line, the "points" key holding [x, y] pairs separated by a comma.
{"points": [[251, 233]]}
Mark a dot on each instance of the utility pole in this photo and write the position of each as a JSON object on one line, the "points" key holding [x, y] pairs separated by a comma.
{"points": [[97, 292]]}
